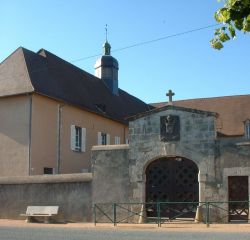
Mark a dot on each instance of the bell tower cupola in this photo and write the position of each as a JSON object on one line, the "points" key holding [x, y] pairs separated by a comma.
{"points": [[106, 68], [106, 48]]}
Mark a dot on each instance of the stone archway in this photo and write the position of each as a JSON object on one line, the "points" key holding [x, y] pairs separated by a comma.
{"points": [[172, 179]]}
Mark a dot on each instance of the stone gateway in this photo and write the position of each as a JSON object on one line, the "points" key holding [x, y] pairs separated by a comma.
{"points": [[175, 155]]}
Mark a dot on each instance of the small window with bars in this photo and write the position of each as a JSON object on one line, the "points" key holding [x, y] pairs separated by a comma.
{"points": [[48, 170]]}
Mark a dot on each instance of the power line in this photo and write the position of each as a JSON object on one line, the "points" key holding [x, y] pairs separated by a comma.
{"points": [[150, 41], [130, 46]]}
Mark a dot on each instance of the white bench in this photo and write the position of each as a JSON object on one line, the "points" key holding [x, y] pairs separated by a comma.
{"points": [[40, 211]]}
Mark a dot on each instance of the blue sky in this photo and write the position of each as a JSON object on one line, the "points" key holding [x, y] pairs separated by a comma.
{"points": [[75, 29]]}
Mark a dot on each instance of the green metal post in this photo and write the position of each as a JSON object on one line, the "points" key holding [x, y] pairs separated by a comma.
{"points": [[159, 214], [94, 214], [207, 214], [114, 211]]}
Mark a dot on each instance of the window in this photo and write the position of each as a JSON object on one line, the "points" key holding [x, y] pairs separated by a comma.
{"points": [[103, 138], [247, 129], [127, 141], [78, 138], [48, 170], [117, 140]]}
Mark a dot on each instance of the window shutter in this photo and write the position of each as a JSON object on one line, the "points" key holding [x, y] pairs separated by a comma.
{"points": [[83, 147], [108, 139], [73, 137], [99, 138], [117, 140]]}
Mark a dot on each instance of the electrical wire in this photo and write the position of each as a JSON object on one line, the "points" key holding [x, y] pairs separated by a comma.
{"points": [[134, 45], [150, 41]]}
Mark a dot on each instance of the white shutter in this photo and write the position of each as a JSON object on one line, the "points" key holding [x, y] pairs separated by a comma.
{"points": [[99, 138], [117, 140], [108, 139], [83, 147], [73, 137]]}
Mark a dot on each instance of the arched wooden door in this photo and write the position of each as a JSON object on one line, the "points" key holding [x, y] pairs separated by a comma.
{"points": [[172, 179]]}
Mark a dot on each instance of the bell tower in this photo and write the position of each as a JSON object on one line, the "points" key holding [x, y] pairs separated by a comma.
{"points": [[106, 68]]}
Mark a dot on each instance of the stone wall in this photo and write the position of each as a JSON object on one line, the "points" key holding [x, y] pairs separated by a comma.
{"points": [[110, 174], [111, 183], [71, 192], [232, 159]]}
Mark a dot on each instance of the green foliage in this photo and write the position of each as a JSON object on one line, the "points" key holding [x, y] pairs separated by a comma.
{"points": [[234, 15]]}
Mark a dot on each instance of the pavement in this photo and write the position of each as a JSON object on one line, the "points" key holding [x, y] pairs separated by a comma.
{"points": [[178, 227]]}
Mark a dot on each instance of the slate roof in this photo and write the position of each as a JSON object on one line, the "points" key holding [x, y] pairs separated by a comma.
{"points": [[232, 111], [45, 73]]}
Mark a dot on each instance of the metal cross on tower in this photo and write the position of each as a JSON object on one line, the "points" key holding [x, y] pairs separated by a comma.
{"points": [[170, 95], [106, 30]]}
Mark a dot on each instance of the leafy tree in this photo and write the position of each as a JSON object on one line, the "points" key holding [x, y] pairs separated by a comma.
{"points": [[235, 15]]}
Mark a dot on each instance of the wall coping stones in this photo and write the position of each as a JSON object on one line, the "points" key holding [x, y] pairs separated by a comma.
{"points": [[58, 178], [171, 107], [110, 147], [243, 143]]}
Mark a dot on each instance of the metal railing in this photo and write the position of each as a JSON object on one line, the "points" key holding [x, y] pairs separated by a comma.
{"points": [[171, 212]]}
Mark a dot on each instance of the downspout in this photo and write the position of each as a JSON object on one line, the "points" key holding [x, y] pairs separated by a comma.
{"points": [[59, 123], [30, 129]]}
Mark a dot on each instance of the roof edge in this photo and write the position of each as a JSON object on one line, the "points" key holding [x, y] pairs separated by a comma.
{"points": [[27, 70], [39, 52], [11, 54], [125, 122], [171, 107], [197, 99]]}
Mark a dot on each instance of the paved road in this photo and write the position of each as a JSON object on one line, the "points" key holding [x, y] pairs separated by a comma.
{"points": [[17, 233]]}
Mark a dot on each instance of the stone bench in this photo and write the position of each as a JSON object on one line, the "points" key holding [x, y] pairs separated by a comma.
{"points": [[40, 211]]}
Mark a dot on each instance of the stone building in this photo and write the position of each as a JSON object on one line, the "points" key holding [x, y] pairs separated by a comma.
{"points": [[182, 151]]}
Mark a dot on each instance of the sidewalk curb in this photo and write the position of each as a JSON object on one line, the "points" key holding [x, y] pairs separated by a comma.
{"points": [[194, 227]]}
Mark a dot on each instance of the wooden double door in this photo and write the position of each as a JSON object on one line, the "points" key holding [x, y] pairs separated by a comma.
{"points": [[172, 180]]}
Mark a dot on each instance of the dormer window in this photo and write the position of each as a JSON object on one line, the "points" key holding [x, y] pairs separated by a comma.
{"points": [[101, 107], [247, 129]]}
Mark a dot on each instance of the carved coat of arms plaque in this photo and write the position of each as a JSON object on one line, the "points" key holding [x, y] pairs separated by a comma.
{"points": [[170, 128]]}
